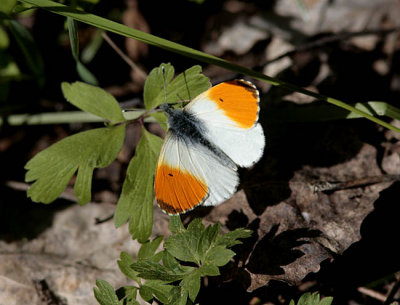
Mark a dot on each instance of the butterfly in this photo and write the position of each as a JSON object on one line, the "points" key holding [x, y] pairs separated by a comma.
{"points": [[206, 142]]}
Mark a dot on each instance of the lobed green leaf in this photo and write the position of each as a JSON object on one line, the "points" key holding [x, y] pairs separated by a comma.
{"points": [[125, 264], [151, 270], [129, 294], [191, 283], [184, 87], [218, 256], [136, 200], [230, 239], [52, 168], [105, 294], [148, 249], [94, 100], [175, 224], [160, 290]]}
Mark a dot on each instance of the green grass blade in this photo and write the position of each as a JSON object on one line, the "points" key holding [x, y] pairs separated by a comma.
{"points": [[123, 30]]}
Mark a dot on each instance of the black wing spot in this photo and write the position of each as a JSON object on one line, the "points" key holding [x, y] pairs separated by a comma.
{"points": [[221, 100], [169, 174]]}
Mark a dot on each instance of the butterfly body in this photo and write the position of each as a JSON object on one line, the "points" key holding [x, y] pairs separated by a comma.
{"points": [[206, 142]]}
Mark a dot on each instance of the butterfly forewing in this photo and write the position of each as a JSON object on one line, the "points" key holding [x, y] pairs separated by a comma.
{"points": [[189, 174], [229, 113]]}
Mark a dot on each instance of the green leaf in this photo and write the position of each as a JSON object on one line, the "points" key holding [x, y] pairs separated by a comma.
{"points": [[52, 168], [127, 295], [150, 270], [73, 37], [154, 91], [136, 200], [185, 86], [83, 72], [146, 293], [104, 293], [148, 249], [4, 41], [6, 6], [207, 239], [209, 270], [91, 49], [218, 256], [175, 224], [29, 49], [160, 290], [178, 296], [312, 299], [191, 283], [94, 100], [184, 245], [326, 301], [125, 264], [173, 265], [230, 239]]}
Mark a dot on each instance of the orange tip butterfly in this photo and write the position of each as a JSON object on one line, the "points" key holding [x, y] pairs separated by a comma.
{"points": [[207, 140]]}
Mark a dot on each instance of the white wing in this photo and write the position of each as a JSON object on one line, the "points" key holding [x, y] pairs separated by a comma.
{"points": [[229, 113], [189, 174]]}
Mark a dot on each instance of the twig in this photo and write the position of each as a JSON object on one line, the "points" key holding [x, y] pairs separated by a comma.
{"points": [[323, 186], [98, 220], [129, 61], [392, 293], [332, 38], [21, 186], [372, 293]]}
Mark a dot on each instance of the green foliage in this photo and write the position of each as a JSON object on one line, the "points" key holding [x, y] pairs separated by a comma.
{"points": [[83, 72], [186, 86], [10, 61], [29, 49], [136, 200], [7, 5], [53, 168], [164, 275], [312, 299], [104, 293], [93, 100]]}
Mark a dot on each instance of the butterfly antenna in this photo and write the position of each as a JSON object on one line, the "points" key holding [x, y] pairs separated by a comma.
{"points": [[165, 84]]}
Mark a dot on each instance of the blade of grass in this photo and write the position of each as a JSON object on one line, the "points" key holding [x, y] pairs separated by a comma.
{"points": [[123, 30]]}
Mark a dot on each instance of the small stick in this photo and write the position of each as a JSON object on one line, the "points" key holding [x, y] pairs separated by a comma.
{"points": [[129, 61], [372, 293]]}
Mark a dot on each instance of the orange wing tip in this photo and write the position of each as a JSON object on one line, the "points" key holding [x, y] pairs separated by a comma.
{"points": [[178, 192], [239, 99], [172, 211], [248, 86]]}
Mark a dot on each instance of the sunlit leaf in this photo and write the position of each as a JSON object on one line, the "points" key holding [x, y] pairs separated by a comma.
{"points": [[136, 200], [52, 168], [94, 100], [104, 293], [184, 87]]}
